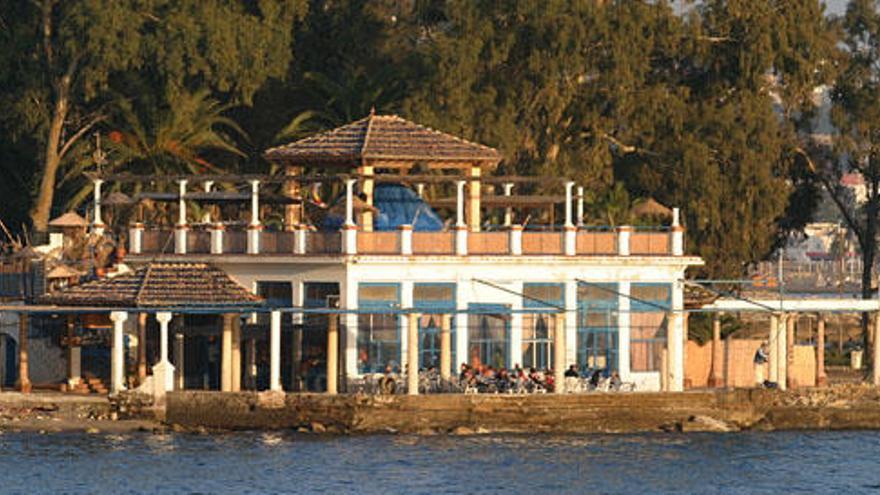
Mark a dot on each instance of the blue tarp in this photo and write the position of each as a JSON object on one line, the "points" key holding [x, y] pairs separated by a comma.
{"points": [[397, 205]]}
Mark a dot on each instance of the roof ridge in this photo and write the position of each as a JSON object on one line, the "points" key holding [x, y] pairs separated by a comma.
{"points": [[367, 133]]}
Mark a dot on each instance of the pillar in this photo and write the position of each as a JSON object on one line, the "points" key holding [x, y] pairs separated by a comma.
{"points": [[406, 239], [163, 371], [473, 204], [875, 355], [255, 228], [559, 354], [217, 238], [773, 349], [781, 354], [676, 233], [275, 352], [717, 356], [180, 375], [117, 357], [251, 383], [412, 354], [569, 187], [580, 206], [789, 351], [623, 329], [459, 203], [97, 222], [349, 201], [142, 348], [24, 377], [508, 211], [821, 378], [515, 240], [332, 354], [226, 354], [349, 230], [236, 353], [206, 217], [181, 228], [136, 238], [367, 183], [623, 236], [445, 346]]}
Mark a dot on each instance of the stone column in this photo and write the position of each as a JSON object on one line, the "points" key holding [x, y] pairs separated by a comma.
{"points": [[236, 353], [676, 240], [623, 235], [473, 203], [275, 352], [406, 239], [24, 377], [136, 238], [445, 347], [412, 354], [226, 354], [255, 228], [515, 240], [178, 362], [163, 371], [117, 358], [717, 355], [559, 354], [821, 378], [142, 348], [773, 349], [580, 206], [332, 354], [570, 231]]}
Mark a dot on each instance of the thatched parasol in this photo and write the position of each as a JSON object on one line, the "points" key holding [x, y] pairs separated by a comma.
{"points": [[651, 208]]}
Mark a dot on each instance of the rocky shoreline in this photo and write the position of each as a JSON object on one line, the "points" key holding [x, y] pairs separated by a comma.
{"points": [[835, 408]]}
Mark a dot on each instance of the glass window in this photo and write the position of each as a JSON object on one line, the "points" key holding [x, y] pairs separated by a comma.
{"points": [[379, 332], [488, 336], [277, 295], [537, 340], [437, 301], [546, 296], [378, 343], [648, 325], [597, 330]]}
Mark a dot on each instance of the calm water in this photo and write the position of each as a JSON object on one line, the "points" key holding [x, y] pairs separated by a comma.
{"points": [[269, 462]]}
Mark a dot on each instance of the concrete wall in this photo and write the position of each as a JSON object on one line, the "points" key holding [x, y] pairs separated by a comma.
{"points": [[737, 368]]}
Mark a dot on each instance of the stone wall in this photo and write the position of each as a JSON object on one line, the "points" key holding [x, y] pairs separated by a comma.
{"points": [[737, 368]]}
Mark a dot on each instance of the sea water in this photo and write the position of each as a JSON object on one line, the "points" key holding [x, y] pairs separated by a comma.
{"points": [[270, 462]]}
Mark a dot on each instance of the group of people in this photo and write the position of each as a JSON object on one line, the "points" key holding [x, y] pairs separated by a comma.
{"points": [[487, 379]]}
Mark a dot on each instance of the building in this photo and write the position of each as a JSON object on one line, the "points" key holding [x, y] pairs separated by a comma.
{"points": [[419, 253]]}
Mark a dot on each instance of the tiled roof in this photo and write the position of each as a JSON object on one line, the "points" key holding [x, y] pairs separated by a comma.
{"points": [[381, 137], [69, 219], [159, 285]]}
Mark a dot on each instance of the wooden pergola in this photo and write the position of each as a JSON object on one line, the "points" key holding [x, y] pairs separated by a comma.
{"points": [[380, 143]]}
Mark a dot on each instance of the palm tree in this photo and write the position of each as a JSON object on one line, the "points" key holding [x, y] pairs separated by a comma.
{"points": [[163, 140]]}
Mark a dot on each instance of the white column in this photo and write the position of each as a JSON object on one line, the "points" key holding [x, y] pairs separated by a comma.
{"points": [[349, 202], [136, 238], [412, 352], [117, 356], [299, 239], [676, 344], [459, 204], [97, 222], [163, 371], [782, 353], [508, 211], [275, 352], [462, 297], [571, 321], [773, 349], [181, 227], [217, 238], [559, 346], [568, 214], [406, 239], [676, 234], [580, 206], [406, 301], [349, 230], [255, 228], [623, 236], [516, 327], [623, 327], [349, 302], [420, 190], [206, 218], [515, 240]]}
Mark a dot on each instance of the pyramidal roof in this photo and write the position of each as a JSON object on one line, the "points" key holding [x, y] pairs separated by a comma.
{"points": [[378, 138], [159, 285]]}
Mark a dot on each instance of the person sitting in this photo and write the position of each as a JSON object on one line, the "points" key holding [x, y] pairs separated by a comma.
{"points": [[615, 382], [572, 372], [595, 378], [388, 385]]}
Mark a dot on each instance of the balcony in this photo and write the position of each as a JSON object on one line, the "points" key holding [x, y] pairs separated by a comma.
{"points": [[622, 241]]}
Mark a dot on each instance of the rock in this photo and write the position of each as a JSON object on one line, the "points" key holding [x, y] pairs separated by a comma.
{"points": [[316, 427], [706, 423], [177, 428], [462, 430], [482, 431], [302, 429], [92, 430]]}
